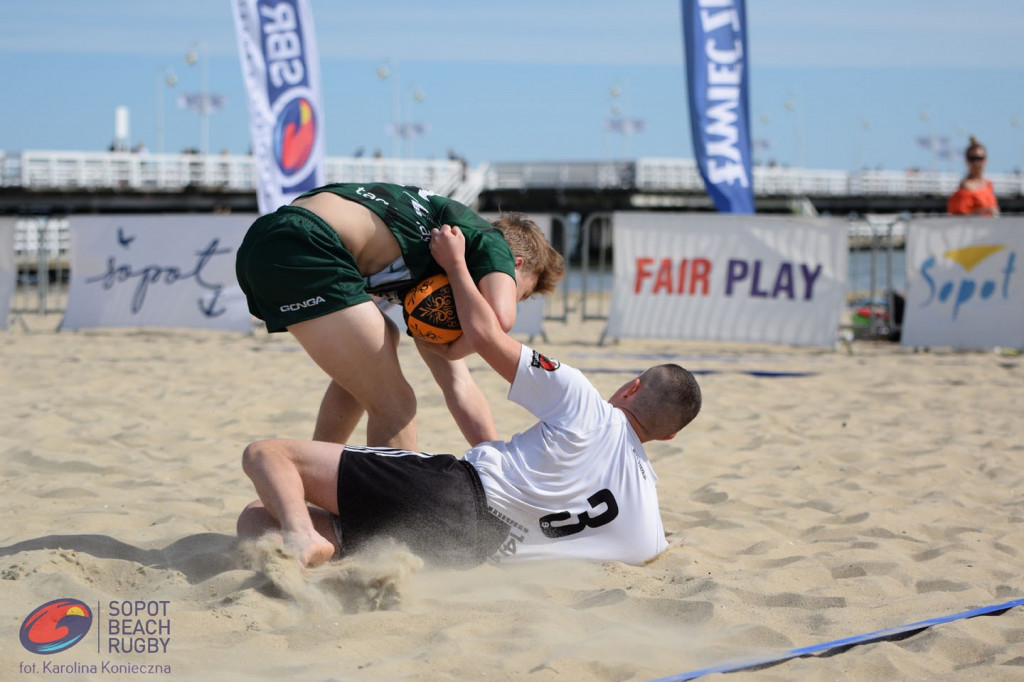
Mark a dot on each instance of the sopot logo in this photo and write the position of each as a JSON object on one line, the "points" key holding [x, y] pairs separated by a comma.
{"points": [[991, 281], [294, 135], [56, 626]]}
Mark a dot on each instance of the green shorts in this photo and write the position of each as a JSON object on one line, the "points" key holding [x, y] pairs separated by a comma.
{"points": [[293, 267]]}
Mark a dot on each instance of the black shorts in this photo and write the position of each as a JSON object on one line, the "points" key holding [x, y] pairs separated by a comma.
{"points": [[435, 504]]}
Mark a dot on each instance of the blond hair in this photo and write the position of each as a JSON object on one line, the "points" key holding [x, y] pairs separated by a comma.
{"points": [[528, 242]]}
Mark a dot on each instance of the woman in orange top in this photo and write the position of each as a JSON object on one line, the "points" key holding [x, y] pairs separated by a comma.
{"points": [[975, 195]]}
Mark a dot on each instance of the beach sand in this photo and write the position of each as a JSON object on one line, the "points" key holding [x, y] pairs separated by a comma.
{"points": [[820, 495]]}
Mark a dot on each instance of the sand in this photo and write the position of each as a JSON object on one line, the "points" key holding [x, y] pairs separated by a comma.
{"points": [[821, 494]]}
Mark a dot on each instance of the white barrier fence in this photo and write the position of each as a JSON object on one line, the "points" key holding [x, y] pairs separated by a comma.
{"points": [[763, 278], [965, 288], [42, 169], [8, 269], [157, 271], [39, 257]]}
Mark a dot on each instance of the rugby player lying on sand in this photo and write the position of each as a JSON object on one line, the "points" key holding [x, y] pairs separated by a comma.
{"points": [[576, 484]]}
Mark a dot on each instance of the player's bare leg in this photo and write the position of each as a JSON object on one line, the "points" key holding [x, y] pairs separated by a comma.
{"points": [[339, 415], [256, 522], [340, 412], [356, 347], [287, 475]]}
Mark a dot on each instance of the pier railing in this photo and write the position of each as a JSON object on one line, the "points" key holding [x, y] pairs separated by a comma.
{"points": [[173, 172]]}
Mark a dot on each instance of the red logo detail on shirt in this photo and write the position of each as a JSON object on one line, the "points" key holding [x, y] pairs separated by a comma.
{"points": [[544, 362]]}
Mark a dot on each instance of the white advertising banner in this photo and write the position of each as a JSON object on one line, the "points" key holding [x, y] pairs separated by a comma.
{"points": [[965, 289], [281, 68], [762, 279], [8, 269], [156, 271]]}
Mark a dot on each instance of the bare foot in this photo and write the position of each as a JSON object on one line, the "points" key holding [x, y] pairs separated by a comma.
{"points": [[311, 550]]}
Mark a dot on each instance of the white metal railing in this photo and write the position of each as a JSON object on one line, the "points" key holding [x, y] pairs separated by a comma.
{"points": [[472, 183], [668, 174], [583, 174], [682, 174], [653, 174], [172, 172]]}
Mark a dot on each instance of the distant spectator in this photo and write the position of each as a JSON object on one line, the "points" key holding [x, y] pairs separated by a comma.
{"points": [[975, 195], [453, 156]]}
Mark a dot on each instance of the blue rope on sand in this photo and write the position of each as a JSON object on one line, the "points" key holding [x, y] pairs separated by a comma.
{"points": [[878, 635]]}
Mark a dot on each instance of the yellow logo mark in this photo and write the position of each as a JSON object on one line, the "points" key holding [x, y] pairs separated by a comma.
{"points": [[969, 256]]}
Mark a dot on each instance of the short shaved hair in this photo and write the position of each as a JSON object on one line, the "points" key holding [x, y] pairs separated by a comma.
{"points": [[669, 399]]}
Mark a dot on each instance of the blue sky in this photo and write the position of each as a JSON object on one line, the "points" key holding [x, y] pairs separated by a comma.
{"points": [[835, 84]]}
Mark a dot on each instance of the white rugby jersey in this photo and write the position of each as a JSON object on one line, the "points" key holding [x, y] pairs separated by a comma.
{"points": [[576, 484]]}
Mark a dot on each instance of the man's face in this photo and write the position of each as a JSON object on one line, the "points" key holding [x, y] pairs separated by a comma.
{"points": [[526, 282]]}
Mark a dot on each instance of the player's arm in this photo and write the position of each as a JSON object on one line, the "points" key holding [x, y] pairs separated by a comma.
{"points": [[480, 325], [465, 401], [499, 290]]}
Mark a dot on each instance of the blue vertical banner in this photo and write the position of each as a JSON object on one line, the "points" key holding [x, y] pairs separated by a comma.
{"points": [[281, 67], [717, 76]]}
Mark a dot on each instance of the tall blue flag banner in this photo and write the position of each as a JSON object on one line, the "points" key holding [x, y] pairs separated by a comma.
{"points": [[281, 67], [715, 45]]}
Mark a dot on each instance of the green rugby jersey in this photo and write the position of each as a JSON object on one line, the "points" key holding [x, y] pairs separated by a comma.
{"points": [[411, 213]]}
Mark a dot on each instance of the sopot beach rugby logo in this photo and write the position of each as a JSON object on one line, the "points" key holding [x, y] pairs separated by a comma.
{"points": [[56, 626], [295, 136]]}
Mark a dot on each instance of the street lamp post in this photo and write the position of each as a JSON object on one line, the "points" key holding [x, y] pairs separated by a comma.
{"points": [[792, 106], [924, 116], [165, 79], [858, 158], [386, 71], [1017, 122], [415, 129], [400, 130], [191, 57], [620, 123], [762, 143]]}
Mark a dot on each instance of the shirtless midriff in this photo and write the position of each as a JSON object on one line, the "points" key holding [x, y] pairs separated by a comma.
{"points": [[362, 232]]}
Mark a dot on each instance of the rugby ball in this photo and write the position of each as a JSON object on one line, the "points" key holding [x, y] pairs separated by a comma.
{"points": [[429, 310]]}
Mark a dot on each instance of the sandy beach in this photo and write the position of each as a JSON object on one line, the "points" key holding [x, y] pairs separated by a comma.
{"points": [[821, 494]]}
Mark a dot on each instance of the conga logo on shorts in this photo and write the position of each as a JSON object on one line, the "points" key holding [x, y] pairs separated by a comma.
{"points": [[544, 362], [56, 626], [294, 135]]}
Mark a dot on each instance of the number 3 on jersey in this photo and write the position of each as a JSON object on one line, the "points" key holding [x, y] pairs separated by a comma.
{"points": [[584, 520]]}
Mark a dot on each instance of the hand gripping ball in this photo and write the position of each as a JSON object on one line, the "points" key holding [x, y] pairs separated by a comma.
{"points": [[429, 310]]}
